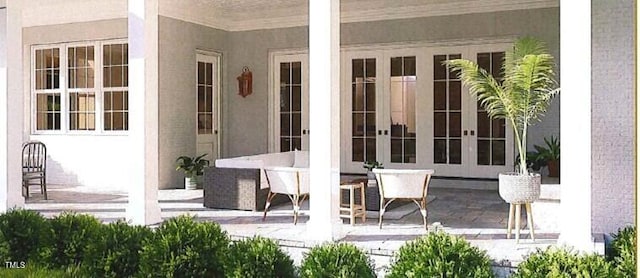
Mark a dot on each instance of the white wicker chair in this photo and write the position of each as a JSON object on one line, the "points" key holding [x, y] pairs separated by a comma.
{"points": [[290, 181], [403, 184]]}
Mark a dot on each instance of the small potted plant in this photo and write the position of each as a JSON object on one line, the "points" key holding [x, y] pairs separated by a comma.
{"points": [[193, 168], [551, 154], [370, 165]]}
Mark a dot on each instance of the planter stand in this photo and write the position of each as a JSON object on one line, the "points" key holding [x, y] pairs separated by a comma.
{"points": [[514, 210], [519, 190]]}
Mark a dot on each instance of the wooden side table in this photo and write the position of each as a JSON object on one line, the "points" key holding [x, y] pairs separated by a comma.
{"points": [[352, 210]]}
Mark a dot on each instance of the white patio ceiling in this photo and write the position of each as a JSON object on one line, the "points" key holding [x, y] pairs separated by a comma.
{"points": [[241, 15]]}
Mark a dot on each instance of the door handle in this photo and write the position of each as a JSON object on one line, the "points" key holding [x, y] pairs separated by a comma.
{"points": [[379, 132], [386, 132], [215, 131], [306, 131], [464, 133], [473, 132]]}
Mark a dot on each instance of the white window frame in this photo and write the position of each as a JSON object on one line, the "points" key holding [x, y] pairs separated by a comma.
{"points": [[34, 92], [65, 91]]}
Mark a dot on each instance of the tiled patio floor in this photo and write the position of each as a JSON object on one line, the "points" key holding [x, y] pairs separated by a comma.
{"points": [[478, 215]]}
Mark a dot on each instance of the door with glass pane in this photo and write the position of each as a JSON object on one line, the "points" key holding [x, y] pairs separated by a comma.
{"points": [[493, 144], [399, 126], [380, 109], [361, 110], [207, 88], [291, 119], [464, 141]]}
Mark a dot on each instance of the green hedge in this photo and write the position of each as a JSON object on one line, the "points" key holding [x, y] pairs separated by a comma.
{"points": [[182, 247], [259, 257], [70, 235], [115, 253], [440, 255], [337, 260], [23, 235], [623, 251], [560, 262], [75, 245]]}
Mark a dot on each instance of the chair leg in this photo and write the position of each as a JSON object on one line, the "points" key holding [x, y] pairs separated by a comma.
{"points": [[381, 212], [267, 204], [423, 211], [296, 207], [43, 187], [25, 186]]}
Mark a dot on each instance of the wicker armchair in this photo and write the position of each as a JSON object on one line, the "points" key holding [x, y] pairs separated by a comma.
{"points": [[290, 181], [403, 184]]}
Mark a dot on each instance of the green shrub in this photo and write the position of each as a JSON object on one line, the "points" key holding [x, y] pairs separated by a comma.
{"points": [[559, 262], [22, 235], [337, 260], [440, 255], [71, 234], [181, 247], [259, 257], [623, 251], [40, 271], [116, 252]]}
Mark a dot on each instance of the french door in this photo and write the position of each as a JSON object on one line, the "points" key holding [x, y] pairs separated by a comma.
{"points": [[290, 102], [405, 109], [207, 91]]}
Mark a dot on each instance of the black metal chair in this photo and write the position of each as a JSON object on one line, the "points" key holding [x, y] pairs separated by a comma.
{"points": [[34, 167]]}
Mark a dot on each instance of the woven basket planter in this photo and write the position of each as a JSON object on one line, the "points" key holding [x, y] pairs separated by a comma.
{"points": [[519, 189]]}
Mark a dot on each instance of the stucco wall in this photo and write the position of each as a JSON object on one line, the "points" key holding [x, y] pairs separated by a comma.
{"points": [[94, 159], [612, 115], [246, 119], [178, 42]]}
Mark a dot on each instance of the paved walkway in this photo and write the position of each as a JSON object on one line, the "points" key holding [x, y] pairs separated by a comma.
{"points": [[478, 215]]}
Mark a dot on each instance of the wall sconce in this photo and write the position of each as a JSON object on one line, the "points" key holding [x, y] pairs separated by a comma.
{"points": [[245, 80]]}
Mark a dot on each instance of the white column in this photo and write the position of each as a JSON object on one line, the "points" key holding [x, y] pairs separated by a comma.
{"points": [[143, 205], [324, 119], [575, 124], [11, 106]]}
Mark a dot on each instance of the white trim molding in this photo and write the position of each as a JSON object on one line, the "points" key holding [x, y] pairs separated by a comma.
{"points": [[238, 19], [353, 11]]}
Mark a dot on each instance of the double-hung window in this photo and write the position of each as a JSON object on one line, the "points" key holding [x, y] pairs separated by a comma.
{"points": [[80, 87]]}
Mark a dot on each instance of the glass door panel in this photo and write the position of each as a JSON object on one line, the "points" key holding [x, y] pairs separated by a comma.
{"points": [[363, 109], [290, 106], [447, 112], [491, 139], [402, 110], [289, 103]]}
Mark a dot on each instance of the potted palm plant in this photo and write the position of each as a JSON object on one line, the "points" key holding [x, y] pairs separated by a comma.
{"points": [[193, 168], [521, 99]]}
